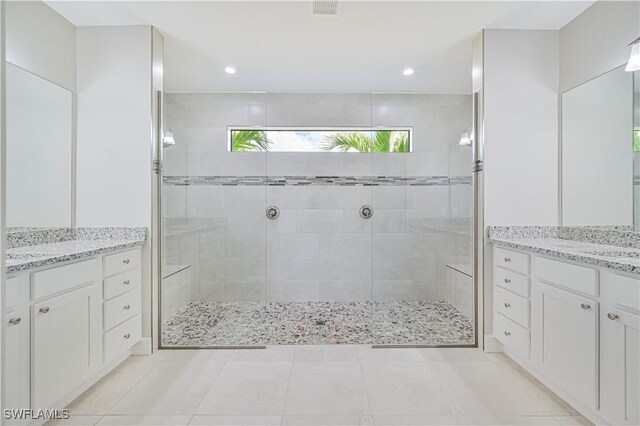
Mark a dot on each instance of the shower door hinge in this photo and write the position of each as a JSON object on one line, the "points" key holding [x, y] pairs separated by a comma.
{"points": [[477, 167], [157, 166]]}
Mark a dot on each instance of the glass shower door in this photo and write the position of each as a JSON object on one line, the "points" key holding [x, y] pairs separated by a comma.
{"points": [[421, 228], [213, 248]]}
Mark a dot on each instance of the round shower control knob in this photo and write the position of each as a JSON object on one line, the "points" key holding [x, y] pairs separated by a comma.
{"points": [[273, 212], [366, 212]]}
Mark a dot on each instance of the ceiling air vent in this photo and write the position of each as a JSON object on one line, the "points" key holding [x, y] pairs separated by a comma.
{"points": [[324, 7]]}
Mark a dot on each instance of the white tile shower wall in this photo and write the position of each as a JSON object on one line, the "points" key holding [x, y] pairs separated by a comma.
{"points": [[319, 248]]}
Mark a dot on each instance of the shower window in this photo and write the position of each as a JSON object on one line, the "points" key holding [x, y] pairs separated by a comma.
{"points": [[298, 139]]}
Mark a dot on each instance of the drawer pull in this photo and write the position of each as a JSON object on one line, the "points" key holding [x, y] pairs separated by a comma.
{"points": [[507, 259], [126, 261], [126, 282], [126, 336], [127, 307], [585, 307], [44, 310], [507, 281], [612, 316], [507, 305], [507, 333], [16, 321]]}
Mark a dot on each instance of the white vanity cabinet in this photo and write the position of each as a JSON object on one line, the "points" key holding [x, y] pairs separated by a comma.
{"points": [[122, 302], [620, 350], [17, 339], [66, 325], [565, 336], [583, 331], [511, 300], [16, 355], [66, 336]]}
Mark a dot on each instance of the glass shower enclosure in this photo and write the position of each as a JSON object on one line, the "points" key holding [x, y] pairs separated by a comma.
{"points": [[286, 235]]}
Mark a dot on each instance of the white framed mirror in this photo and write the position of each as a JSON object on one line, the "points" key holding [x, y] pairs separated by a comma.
{"points": [[598, 151], [39, 165]]}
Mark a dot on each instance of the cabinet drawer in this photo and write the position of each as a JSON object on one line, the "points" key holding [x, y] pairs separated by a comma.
{"points": [[56, 280], [575, 277], [120, 262], [511, 335], [624, 291], [121, 308], [513, 260], [122, 338], [511, 306], [516, 283], [121, 283]]}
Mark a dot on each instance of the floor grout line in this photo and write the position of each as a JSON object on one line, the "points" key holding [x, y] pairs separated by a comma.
{"points": [[128, 390], [286, 394], [447, 390], [366, 390]]}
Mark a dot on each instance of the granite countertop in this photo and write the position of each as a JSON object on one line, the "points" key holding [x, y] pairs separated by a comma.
{"points": [[610, 247], [34, 248]]}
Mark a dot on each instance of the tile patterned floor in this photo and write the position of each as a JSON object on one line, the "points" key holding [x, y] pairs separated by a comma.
{"points": [[320, 385], [246, 324]]}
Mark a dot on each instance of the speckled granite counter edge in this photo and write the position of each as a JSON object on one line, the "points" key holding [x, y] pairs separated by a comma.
{"points": [[596, 261], [38, 262], [24, 236], [621, 236]]}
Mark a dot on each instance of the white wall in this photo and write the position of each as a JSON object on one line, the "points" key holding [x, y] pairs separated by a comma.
{"points": [[521, 127], [597, 41], [114, 126], [597, 159], [41, 41]]}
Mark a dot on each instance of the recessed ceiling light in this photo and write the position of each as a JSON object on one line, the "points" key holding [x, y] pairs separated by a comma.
{"points": [[230, 70], [408, 71]]}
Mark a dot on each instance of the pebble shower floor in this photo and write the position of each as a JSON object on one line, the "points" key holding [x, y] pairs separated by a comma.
{"points": [[274, 323]]}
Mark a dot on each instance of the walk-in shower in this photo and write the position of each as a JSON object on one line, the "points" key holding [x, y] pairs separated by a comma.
{"points": [[334, 218]]}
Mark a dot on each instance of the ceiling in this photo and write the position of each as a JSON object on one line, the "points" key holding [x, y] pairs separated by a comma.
{"points": [[279, 46]]}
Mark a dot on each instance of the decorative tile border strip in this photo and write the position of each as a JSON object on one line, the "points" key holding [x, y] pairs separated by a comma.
{"points": [[316, 180]]}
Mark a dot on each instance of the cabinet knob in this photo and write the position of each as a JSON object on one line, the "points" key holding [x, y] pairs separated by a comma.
{"points": [[126, 261], [507, 333], [127, 307], [15, 321], [126, 282], [507, 280], [44, 309], [507, 259], [585, 307], [507, 305], [612, 316], [126, 336]]}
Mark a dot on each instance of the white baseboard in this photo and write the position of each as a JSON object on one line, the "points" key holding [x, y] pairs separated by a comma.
{"points": [[491, 344], [143, 347]]}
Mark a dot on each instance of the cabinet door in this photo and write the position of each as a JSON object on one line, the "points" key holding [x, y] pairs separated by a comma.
{"points": [[565, 328], [66, 344], [16, 360], [620, 366]]}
